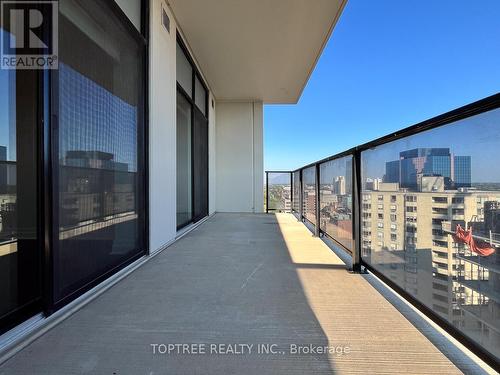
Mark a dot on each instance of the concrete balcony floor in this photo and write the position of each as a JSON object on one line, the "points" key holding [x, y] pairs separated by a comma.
{"points": [[242, 279]]}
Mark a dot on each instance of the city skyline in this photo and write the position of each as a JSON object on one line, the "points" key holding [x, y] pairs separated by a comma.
{"points": [[462, 137], [368, 84], [413, 164]]}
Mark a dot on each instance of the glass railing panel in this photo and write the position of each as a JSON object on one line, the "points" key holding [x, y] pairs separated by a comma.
{"points": [[335, 200], [279, 196], [309, 193], [296, 191], [417, 192]]}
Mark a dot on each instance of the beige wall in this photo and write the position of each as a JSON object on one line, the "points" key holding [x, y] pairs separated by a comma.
{"points": [[162, 130], [235, 141], [239, 158]]}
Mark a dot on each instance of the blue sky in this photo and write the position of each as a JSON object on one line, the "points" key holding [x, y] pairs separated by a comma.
{"points": [[390, 64]]}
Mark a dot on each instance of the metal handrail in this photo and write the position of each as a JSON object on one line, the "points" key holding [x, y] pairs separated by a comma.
{"points": [[478, 107]]}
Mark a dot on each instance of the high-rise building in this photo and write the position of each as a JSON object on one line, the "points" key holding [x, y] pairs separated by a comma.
{"points": [[348, 171], [418, 162], [339, 187], [373, 183], [462, 171], [403, 233], [392, 171], [3, 153]]}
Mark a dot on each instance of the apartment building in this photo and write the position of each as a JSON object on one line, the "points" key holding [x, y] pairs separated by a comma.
{"points": [[408, 234]]}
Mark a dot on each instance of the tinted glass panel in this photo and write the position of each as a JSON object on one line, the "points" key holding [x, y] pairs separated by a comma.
{"points": [[280, 193], [309, 193], [296, 191], [100, 122], [336, 200], [422, 195], [200, 96], [192, 144], [19, 249], [200, 166], [184, 165], [184, 71]]}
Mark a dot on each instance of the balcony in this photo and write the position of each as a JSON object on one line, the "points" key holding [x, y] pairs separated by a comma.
{"points": [[350, 185], [483, 313], [484, 287], [132, 233], [250, 279]]}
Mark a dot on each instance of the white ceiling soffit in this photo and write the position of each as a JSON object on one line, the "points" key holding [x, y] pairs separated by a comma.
{"points": [[257, 49]]}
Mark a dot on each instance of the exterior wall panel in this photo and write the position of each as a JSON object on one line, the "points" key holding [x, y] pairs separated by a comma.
{"points": [[162, 129], [239, 166]]}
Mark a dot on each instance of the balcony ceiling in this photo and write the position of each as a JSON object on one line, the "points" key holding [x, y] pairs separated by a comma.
{"points": [[260, 49]]}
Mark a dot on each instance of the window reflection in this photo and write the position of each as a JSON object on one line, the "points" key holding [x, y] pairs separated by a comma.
{"points": [[19, 248], [192, 143], [100, 185], [184, 162], [8, 194]]}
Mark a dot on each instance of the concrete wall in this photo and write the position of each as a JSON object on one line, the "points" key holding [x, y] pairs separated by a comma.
{"points": [[162, 130], [235, 142], [239, 158], [258, 156]]}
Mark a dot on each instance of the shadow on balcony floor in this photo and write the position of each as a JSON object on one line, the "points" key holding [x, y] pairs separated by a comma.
{"points": [[237, 279]]}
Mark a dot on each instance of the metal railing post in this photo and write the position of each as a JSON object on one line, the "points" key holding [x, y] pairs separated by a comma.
{"points": [[316, 198], [356, 204], [301, 197], [267, 192], [291, 192]]}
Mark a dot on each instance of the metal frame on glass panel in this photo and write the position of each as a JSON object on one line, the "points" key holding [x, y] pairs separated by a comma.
{"points": [[481, 106], [145, 9], [50, 147], [46, 159], [320, 232], [267, 190], [195, 74], [43, 185]]}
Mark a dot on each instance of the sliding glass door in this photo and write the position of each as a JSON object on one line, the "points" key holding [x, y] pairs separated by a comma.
{"points": [[99, 176], [20, 255], [200, 165], [184, 161], [72, 187], [192, 142]]}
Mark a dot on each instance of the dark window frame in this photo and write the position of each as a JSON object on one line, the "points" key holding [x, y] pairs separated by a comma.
{"points": [[51, 160], [195, 74]]}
